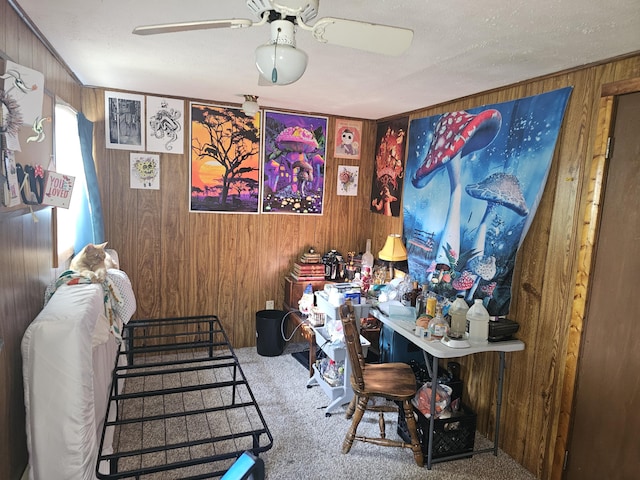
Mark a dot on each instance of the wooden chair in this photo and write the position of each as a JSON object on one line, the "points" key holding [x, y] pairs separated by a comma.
{"points": [[390, 381]]}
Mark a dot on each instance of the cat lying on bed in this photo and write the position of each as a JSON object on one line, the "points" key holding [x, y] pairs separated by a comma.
{"points": [[92, 262]]}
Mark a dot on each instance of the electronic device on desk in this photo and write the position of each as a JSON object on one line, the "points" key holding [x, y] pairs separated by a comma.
{"points": [[502, 329]]}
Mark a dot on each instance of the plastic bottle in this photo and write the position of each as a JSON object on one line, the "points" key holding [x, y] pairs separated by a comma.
{"points": [[431, 303], [478, 323], [458, 312], [438, 326]]}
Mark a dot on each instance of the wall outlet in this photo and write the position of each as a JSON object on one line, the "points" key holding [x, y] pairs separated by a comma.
{"points": [[270, 305]]}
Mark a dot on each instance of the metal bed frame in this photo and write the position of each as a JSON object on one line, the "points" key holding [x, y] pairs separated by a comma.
{"points": [[179, 348]]}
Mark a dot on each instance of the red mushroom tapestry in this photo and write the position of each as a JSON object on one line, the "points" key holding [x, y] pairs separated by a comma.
{"points": [[294, 154], [386, 188], [474, 182]]}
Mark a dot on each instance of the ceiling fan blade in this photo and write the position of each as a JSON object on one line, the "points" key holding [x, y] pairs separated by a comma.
{"points": [[198, 25], [371, 37]]}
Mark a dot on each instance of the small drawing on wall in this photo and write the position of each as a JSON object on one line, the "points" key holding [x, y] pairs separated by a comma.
{"points": [[124, 128], [165, 121], [145, 171], [348, 180], [26, 86]]}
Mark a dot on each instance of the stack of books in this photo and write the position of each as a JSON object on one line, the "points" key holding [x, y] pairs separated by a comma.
{"points": [[307, 271], [311, 257], [309, 267]]}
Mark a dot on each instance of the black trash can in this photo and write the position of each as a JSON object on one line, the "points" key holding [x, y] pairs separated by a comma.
{"points": [[269, 339]]}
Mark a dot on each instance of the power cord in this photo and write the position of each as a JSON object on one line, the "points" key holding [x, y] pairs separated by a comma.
{"points": [[294, 330]]}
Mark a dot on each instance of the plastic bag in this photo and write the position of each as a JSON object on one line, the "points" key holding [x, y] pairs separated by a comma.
{"points": [[422, 399], [332, 371], [334, 329]]}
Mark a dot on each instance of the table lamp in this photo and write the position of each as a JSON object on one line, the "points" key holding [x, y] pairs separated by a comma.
{"points": [[393, 251]]}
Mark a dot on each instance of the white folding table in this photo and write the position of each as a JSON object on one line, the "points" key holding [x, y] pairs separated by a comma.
{"points": [[437, 350]]}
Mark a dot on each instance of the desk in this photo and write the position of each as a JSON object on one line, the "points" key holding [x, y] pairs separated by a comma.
{"points": [[300, 321], [438, 350], [293, 291]]}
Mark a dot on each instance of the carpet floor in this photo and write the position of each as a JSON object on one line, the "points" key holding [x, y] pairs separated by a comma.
{"points": [[307, 444]]}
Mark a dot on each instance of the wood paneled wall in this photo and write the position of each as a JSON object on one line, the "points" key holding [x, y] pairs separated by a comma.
{"points": [[183, 263], [544, 278], [191, 263], [25, 252]]}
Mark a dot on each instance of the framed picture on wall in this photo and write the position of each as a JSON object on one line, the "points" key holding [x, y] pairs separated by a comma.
{"points": [[348, 139], [145, 171], [348, 180], [165, 119], [225, 159], [294, 153], [124, 125]]}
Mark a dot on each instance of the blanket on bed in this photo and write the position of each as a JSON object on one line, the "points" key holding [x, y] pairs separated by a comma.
{"points": [[116, 289]]}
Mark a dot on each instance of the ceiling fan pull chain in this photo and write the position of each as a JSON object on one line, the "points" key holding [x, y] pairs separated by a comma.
{"points": [[274, 72]]}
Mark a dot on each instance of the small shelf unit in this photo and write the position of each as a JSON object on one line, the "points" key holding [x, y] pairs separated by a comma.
{"points": [[336, 350]]}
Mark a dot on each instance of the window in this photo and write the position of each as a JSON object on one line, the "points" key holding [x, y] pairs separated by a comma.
{"points": [[68, 161]]}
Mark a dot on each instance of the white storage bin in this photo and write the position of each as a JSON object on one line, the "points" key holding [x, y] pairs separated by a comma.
{"points": [[332, 312], [336, 350]]}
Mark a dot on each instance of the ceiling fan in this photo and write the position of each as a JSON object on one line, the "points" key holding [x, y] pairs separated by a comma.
{"points": [[279, 61]]}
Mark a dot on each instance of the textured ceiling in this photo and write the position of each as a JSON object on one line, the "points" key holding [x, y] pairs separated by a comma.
{"points": [[460, 47]]}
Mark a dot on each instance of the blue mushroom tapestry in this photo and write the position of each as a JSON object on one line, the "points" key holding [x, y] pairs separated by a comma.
{"points": [[474, 182]]}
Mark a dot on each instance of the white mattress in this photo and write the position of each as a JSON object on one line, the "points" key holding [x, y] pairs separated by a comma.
{"points": [[67, 365]]}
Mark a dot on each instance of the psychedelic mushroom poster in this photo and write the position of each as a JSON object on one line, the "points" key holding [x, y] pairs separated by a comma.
{"points": [[294, 156], [474, 180]]}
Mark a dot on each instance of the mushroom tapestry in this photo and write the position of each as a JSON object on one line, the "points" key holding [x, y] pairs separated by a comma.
{"points": [[294, 156], [474, 180]]}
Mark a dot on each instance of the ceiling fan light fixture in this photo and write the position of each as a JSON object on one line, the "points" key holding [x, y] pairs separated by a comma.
{"points": [[280, 64], [279, 61], [250, 105]]}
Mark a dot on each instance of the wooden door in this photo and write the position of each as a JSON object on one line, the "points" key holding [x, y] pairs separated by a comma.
{"points": [[605, 440]]}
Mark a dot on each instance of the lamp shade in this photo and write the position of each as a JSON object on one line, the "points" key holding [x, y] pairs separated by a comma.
{"points": [[250, 105], [279, 61], [280, 64], [393, 250]]}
